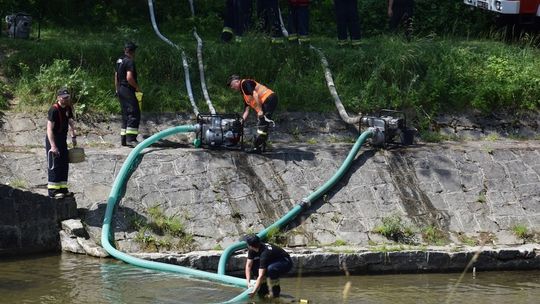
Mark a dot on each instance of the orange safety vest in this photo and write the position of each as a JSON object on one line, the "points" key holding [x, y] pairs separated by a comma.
{"points": [[261, 90]]}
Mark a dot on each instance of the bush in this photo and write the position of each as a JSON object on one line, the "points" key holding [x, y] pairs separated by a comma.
{"points": [[394, 229]]}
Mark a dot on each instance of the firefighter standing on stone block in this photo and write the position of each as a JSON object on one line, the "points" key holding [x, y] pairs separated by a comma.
{"points": [[261, 99], [59, 120]]}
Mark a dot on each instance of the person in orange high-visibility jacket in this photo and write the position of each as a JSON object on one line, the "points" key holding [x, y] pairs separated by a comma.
{"points": [[261, 99]]}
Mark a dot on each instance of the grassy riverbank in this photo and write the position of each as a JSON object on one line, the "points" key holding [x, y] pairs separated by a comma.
{"points": [[429, 75]]}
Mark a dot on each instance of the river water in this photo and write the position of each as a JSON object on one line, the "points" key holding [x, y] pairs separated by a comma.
{"points": [[69, 278]]}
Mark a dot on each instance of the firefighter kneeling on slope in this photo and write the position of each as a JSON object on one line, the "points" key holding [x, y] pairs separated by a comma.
{"points": [[261, 99]]}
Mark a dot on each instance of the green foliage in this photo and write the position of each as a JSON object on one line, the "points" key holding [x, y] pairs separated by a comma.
{"points": [[467, 240], [394, 229], [441, 69], [162, 224], [161, 232], [433, 235], [339, 243], [276, 236], [521, 231], [40, 89]]}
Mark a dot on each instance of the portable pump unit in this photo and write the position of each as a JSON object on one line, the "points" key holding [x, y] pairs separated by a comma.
{"points": [[220, 130], [389, 125]]}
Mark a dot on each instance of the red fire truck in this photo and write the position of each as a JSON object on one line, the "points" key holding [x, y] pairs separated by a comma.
{"points": [[523, 11]]}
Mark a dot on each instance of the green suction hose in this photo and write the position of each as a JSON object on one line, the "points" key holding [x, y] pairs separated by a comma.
{"points": [[306, 202]]}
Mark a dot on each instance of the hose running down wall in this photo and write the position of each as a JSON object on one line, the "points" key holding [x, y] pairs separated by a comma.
{"points": [[129, 165], [116, 194], [304, 204], [119, 187]]}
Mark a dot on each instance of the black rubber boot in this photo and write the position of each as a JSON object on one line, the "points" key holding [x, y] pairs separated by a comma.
{"points": [[263, 290], [123, 140], [276, 290]]}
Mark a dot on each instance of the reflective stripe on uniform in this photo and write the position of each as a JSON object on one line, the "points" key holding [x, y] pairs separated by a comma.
{"points": [[227, 30], [304, 39], [132, 131], [122, 131], [261, 132], [261, 90], [56, 186], [293, 37]]}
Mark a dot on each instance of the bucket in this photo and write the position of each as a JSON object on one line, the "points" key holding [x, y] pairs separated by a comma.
{"points": [[76, 155]]}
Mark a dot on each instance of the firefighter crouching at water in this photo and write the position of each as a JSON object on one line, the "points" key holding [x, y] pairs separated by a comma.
{"points": [[59, 120], [265, 262], [125, 81], [261, 99]]}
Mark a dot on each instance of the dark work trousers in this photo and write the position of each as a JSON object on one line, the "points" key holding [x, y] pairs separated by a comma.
{"points": [[267, 12], [237, 17], [347, 19], [298, 20], [263, 126], [273, 272], [402, 17], [57, 166], [131, 114]]}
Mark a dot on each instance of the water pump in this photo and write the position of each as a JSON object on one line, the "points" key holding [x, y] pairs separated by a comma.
{"points": [[220, 130], [389, 125]]}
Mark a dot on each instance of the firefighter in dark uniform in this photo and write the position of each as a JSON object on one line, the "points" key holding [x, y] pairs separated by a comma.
{"points": [[236, 20], [400, 13], [265, 262], [261, 99], [348, 21], [299, 21], [268, 14], [125, 81], [59, 121]]}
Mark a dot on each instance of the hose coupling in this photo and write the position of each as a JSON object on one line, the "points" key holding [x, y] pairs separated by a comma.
{"points": [[305, 203]]}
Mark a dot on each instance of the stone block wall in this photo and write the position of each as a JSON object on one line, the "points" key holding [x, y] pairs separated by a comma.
{"points": [[29, 222]]}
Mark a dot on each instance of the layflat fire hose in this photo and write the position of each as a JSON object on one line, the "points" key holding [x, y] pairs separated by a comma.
{"points": [[184, 57], [332, 87]]}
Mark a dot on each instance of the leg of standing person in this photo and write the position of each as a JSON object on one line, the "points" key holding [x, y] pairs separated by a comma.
{"points": [[395, 19], [245, 13], [133, 114], [57, 168], [353, 22], [123, 108], [341, 20], [264, 122], [275, 24], [228, 21], [63, 165], [293, 23], [408, 22], [303, 24]]}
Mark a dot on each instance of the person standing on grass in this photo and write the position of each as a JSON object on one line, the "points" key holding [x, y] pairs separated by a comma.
{"points": [[265, 262], [348, 21], [400, 13], [237, 19], [125, 82], [299, 21], [59, 121], [268, 15]]}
